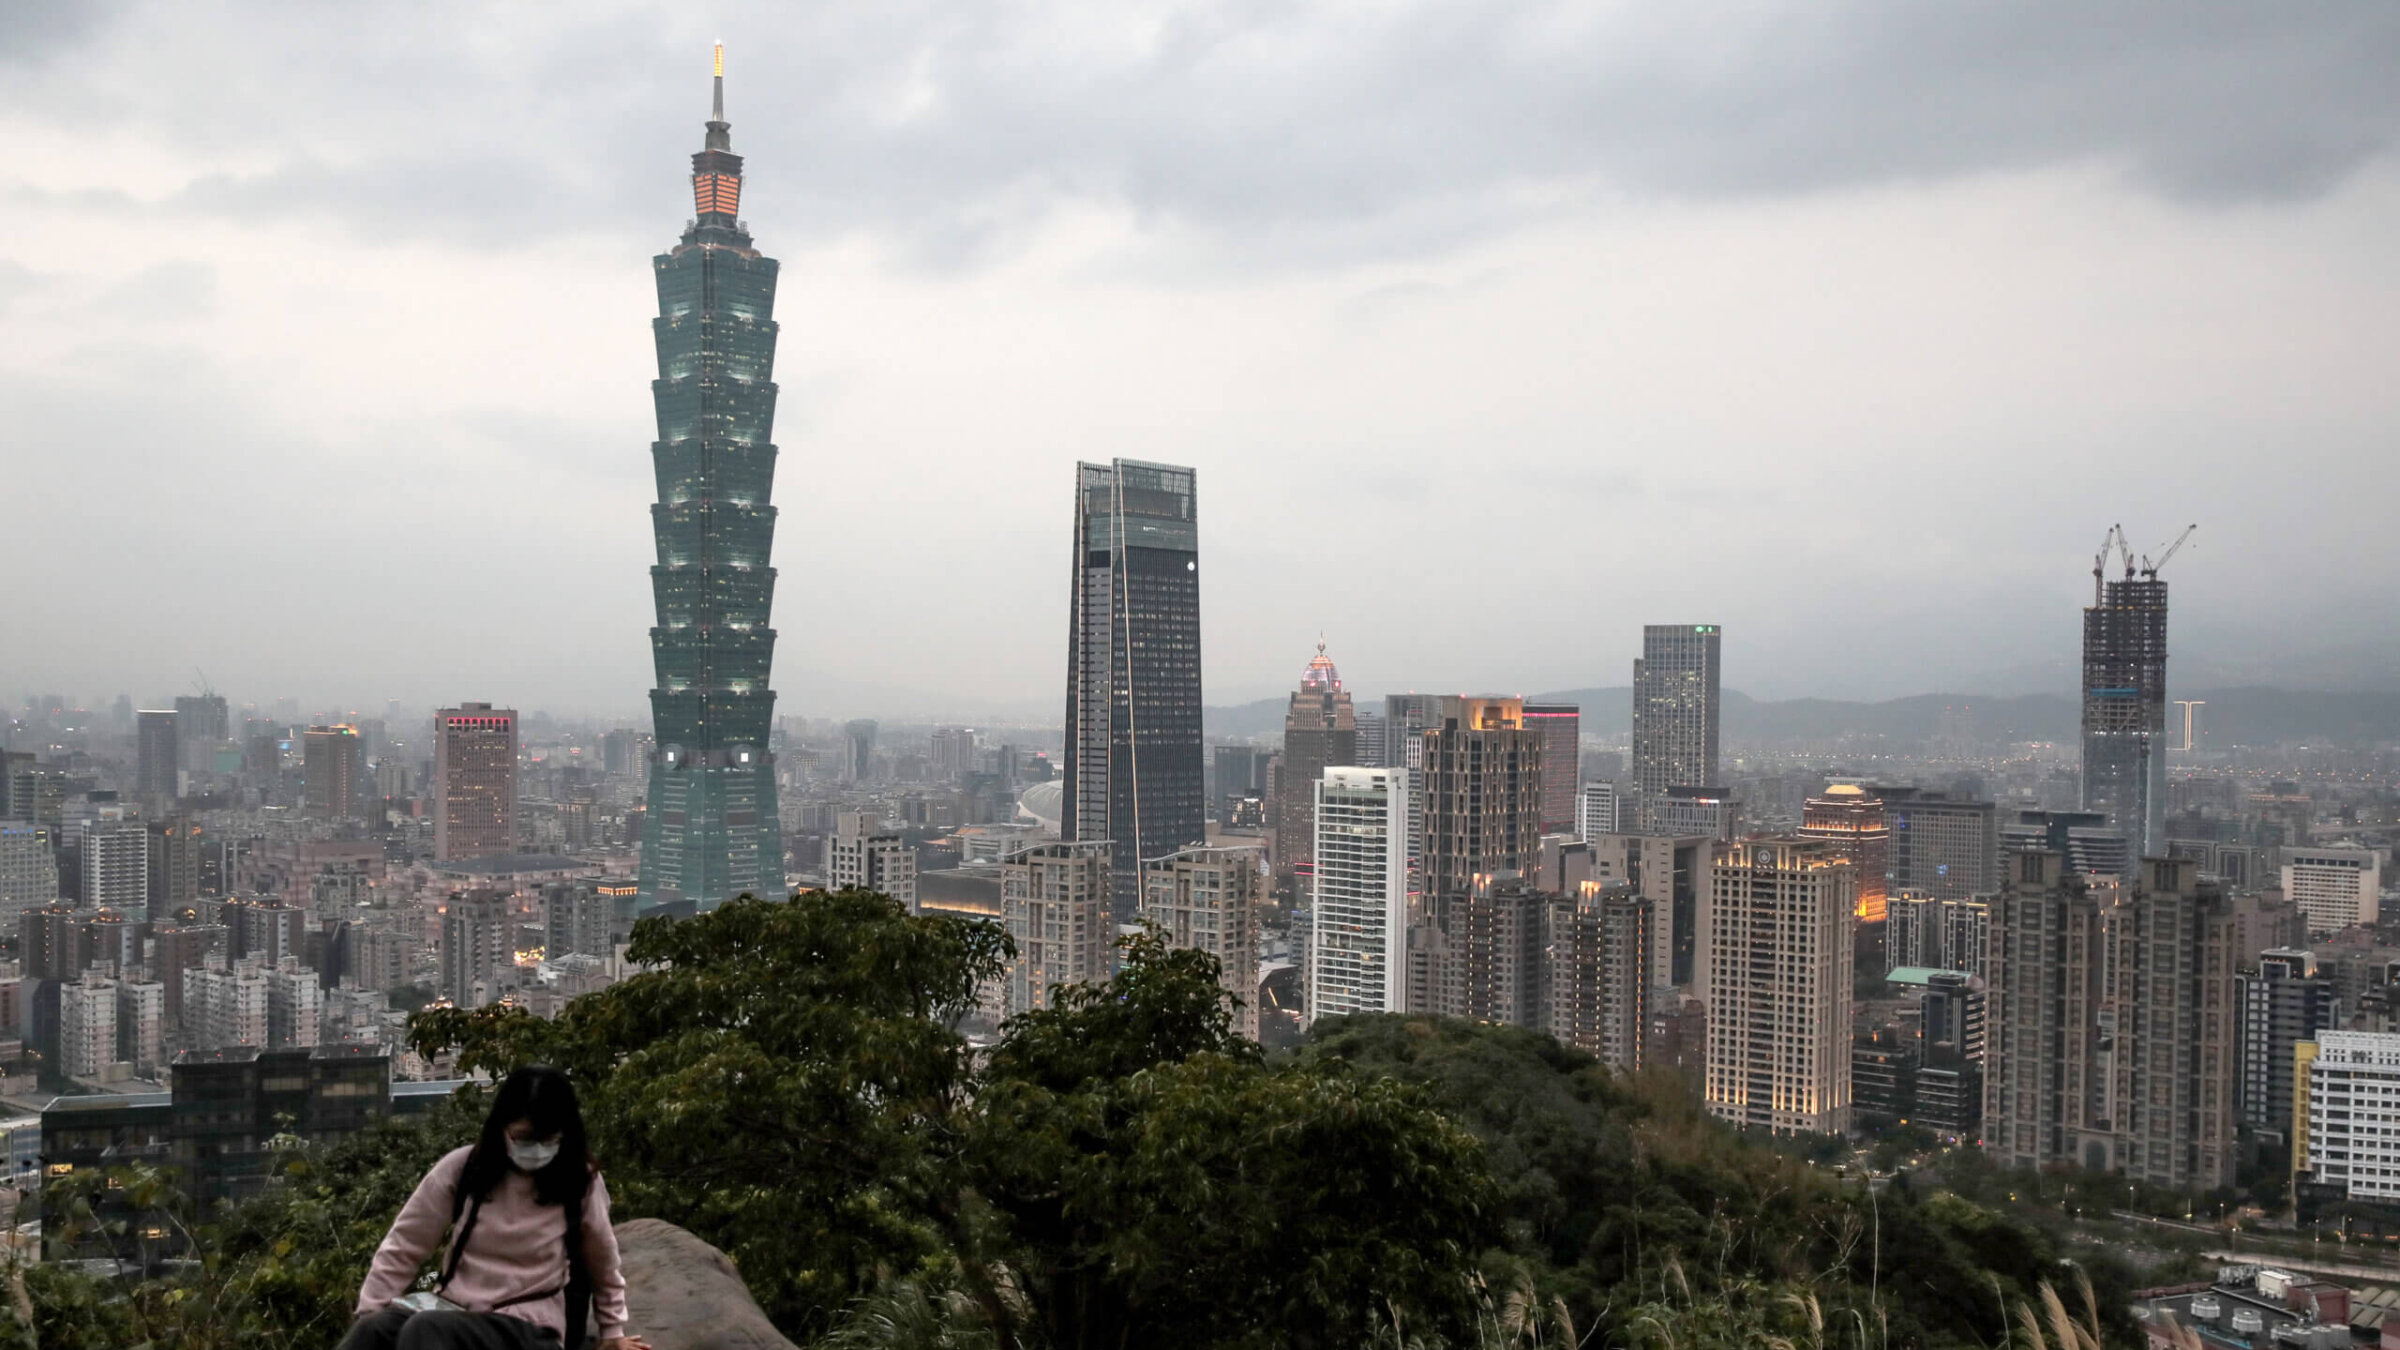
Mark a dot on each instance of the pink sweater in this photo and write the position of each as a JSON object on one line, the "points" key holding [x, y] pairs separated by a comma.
{"points": [[516, 1260]]}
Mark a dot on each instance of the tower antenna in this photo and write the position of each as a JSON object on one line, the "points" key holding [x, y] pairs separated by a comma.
{"points": [[716, 111]]}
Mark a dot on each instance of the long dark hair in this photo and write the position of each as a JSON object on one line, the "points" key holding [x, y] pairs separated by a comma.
{"points": [[544, 1096]]}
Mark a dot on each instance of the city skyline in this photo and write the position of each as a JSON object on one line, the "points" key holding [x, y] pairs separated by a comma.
{"points": [[1116, 312]]}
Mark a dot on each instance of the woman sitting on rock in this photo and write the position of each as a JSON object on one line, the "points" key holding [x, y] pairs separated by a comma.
{"points": [[531, 1246]]}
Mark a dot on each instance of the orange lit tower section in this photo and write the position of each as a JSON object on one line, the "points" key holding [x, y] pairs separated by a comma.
{"points": [[1853, 818], [711, 830]]}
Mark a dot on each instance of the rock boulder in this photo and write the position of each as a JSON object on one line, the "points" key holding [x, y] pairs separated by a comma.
{"points": [[685, 1295]]}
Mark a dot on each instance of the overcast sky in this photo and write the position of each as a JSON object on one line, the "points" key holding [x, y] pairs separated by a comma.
{"points": [[1493, 331]]}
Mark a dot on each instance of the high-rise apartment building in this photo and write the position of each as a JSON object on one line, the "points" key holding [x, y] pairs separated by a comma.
{"points": [[1405, 717], [2283, 1002], [1775, 970], [478, 944], [114, 866], [1596, 979], [1674, 875], [475, 782], [1482, 798], [295, 1004], [1358, 905], [576, 921], [333, 771], [2334, 886], [174, 871], [1675, 711], [226, 1007], [1055, 900], [861, 853], [1925, 930], [1945, 846], [1133, 773], [1320, 729], [158, 755], [712, 828], [2114, 1026], [28, 871], [142, 1025], [2125, 709], [1206, 898], [87, 1025], [1560, 726]]}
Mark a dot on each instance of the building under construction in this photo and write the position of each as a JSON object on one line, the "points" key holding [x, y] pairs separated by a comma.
{"points": [[2125, 698]]}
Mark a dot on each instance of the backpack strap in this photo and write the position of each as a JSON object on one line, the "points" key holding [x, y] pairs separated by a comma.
{"points": [[458, 1245], [579, 1276]]}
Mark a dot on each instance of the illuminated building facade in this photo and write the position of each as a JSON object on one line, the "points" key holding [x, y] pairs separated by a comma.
{"points": [[711, 828], [474, 782], [2125, 712], [1675, 711], [1852, 818], [1776, 975], [1482, 799], [1320, 729], [1134, 772]]}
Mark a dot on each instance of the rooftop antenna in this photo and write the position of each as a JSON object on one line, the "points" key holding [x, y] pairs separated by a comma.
{"points": [[716, 111]]}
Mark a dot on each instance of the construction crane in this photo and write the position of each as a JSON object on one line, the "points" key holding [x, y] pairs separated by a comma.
{"points": [[2150, 569], [2100, 560]]}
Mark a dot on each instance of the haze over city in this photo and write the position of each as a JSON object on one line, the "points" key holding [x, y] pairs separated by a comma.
{"points": [[324, 339]]}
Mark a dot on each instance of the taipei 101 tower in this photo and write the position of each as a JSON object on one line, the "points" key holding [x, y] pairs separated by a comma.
{"points": [[711, 830]]}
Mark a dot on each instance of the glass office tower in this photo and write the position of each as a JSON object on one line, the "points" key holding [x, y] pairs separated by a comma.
{"points": [[711, 831], [1133, 761]]}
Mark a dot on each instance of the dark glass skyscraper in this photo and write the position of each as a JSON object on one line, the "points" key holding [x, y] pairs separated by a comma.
{"points": [[1675, 712], [2125, 711], [711, 831], [1133, 762]]}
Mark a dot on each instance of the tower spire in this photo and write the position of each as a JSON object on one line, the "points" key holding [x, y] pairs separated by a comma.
{"points": [[716, 110]]}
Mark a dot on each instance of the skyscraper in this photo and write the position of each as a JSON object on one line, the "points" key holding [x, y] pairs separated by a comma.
{"points": [[1482, 798], [202, 723], [1320, 729], [1675, 711], [1133, 773], [1946, 846], [475, 782], [2115, 1027], [1358, 935], [2125, 708], [158, 755], [712, 829], [332, 768], [1561, 728], [1775, 971], [1597, 981]]}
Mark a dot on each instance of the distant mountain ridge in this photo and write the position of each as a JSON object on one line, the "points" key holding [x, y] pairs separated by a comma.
{"points": [[2245, 715]]}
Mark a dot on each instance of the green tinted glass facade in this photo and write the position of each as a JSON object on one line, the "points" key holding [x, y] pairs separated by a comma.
{"points": [[712, 831]]}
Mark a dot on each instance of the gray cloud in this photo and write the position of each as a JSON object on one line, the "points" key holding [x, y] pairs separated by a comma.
{"points": [[1401, 128]]}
